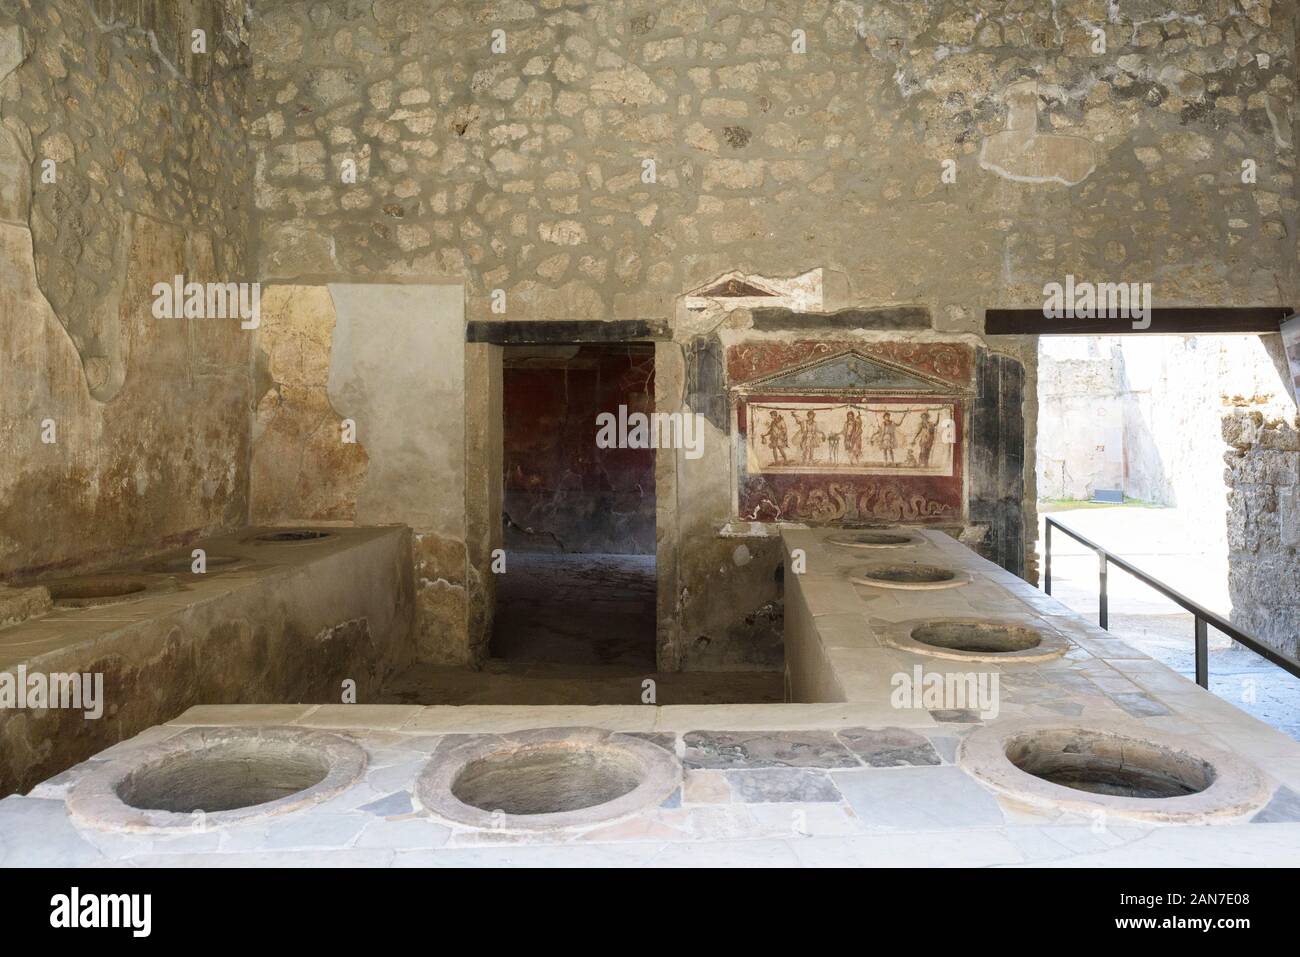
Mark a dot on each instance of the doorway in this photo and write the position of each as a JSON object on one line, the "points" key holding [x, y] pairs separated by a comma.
{"points": [[578, 518], [1163, 450]]}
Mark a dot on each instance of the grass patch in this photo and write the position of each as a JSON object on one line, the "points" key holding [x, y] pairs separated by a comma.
{"points": [[1077, 504]]}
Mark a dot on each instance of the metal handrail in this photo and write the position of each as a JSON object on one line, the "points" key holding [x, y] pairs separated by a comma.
{"points": [[1203, 616]]}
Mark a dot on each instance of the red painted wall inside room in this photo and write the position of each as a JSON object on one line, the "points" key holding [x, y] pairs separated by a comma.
{"points": [[572, 495]]}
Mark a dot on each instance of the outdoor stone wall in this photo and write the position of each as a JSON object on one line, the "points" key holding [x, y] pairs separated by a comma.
{"points": [[606, 160], [1263, 475], [122, 164], [1142, 414]]}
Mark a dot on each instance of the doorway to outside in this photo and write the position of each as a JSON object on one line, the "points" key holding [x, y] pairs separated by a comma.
{"points": [[1131, 454]]}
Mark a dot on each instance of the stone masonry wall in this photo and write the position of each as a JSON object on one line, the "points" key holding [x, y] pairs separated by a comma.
{"points": [[122, 164], [597, 161], [523, 170], [1263, 476]]}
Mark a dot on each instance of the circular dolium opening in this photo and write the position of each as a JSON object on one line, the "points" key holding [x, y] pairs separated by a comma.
{"points": [[910, 574], [297, 535], [187, 564], [223, 778], [984, 637], [546, 780], [877, 538], [1103, 764], [92, 591]]}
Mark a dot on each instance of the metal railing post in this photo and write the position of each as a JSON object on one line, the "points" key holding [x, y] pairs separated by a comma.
{"points": [[1202, 653], [1103, 604], [1047, 549]]}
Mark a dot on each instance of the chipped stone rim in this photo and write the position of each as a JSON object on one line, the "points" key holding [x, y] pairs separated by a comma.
{"points": [[845, 538], [1238, 790], [959, 577], [661, 776], [1053, 644], [93, 799]]}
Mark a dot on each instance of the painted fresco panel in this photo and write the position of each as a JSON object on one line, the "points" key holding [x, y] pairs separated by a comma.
{"points": [[823, 440], [854, 437]]}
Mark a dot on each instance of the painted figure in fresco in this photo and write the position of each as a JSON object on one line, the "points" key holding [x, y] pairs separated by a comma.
{"points": [[924, 438], [853, 436], [833, 446], [777, 438], [807, 437], [886, 437]]}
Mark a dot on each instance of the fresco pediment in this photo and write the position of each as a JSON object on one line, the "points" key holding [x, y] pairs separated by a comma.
{"points": [[848, 371]]}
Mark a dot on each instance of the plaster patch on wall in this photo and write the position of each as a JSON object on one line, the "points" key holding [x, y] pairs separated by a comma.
{"points": [[1023, 155], [397, 368], [15, 172], [12, 49], [301, 468], [1279, 117], [143, 145], [442, 600]]}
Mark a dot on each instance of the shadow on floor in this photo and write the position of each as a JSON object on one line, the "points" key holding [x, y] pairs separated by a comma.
{"points": [[576, 630]]}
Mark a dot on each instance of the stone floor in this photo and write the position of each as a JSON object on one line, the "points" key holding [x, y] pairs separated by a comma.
{"points": [[1158, 541], [575, 629], [576, 609], [503, 682]]}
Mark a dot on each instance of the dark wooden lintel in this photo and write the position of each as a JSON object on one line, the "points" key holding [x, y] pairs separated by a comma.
{"points": [[564, 332], [1182, 321]]}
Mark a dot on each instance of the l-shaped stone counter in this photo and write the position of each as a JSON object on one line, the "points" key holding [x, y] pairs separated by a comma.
{"points": [[851, 772]]}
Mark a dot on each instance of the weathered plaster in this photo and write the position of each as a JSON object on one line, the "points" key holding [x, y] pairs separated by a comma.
{"points": [[163, 462], [150, 417], [384, 366]]}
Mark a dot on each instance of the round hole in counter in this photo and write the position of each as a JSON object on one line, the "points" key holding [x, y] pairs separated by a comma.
{"points": [[293, 535], [1123, 767], [872, 539], [1114, 766], [93, 590], [1005, 640], [215, 776], [548, 779], [910, 576], [981, 637], [224, 777]]}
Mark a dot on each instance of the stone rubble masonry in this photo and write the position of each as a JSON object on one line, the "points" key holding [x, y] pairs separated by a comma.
{"points": [[1263, 476], [137, 124], [522, 170]]}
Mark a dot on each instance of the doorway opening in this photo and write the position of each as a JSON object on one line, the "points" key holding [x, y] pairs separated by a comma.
{"points": [[1175, 452], [579, 519]]}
